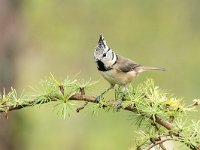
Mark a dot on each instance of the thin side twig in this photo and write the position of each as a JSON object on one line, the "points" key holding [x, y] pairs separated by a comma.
{"points": [[158, 143], [91, 99], [195, 103]]}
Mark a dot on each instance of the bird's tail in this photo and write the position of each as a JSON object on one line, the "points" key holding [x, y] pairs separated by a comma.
{"points": [[146, 68]]}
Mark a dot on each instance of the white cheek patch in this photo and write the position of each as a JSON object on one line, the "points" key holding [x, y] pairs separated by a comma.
{"points": [[110, 58]]}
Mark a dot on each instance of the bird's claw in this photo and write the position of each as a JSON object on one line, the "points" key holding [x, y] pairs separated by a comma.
{"points": [[98, 98], [123, 97], [117, 105]]}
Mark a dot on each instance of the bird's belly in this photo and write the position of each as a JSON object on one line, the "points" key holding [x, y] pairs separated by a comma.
{"points": [[118, 77]]}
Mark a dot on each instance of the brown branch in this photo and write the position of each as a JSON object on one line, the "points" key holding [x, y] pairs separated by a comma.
{"points": [[90, 99]]}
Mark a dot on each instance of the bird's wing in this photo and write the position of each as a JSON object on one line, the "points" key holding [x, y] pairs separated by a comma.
{"points": [[125, 65]]}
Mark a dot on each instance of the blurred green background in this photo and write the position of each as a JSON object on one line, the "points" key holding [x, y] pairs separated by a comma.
{"points": [[59, 36]]}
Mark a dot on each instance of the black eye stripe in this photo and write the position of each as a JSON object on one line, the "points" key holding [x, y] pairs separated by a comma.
{"points": [[108, 50], [104, 54], [113, 55]]}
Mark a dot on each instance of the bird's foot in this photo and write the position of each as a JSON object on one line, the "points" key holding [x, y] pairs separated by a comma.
{"points": [[98, 98], [117, 105], [123, 97]]}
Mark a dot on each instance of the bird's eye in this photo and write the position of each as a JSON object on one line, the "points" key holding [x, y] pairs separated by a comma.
{"points": [[104, 55]]}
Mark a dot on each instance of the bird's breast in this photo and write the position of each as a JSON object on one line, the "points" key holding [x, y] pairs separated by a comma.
{"points": [[117, 77]]}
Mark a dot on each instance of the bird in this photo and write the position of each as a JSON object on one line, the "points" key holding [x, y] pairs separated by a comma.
{"points": [[116, 69]]}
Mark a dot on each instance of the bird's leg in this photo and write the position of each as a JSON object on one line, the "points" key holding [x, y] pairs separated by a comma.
{"points": [[98, 98], [115, 94], [124, 90], [117, 88], [118, 104]]}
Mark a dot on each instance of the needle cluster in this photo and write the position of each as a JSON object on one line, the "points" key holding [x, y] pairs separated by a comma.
{"points": [[159, 116]]}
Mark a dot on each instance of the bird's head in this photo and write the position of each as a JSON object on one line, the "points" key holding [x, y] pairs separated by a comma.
{"points": [[103, 53]]}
